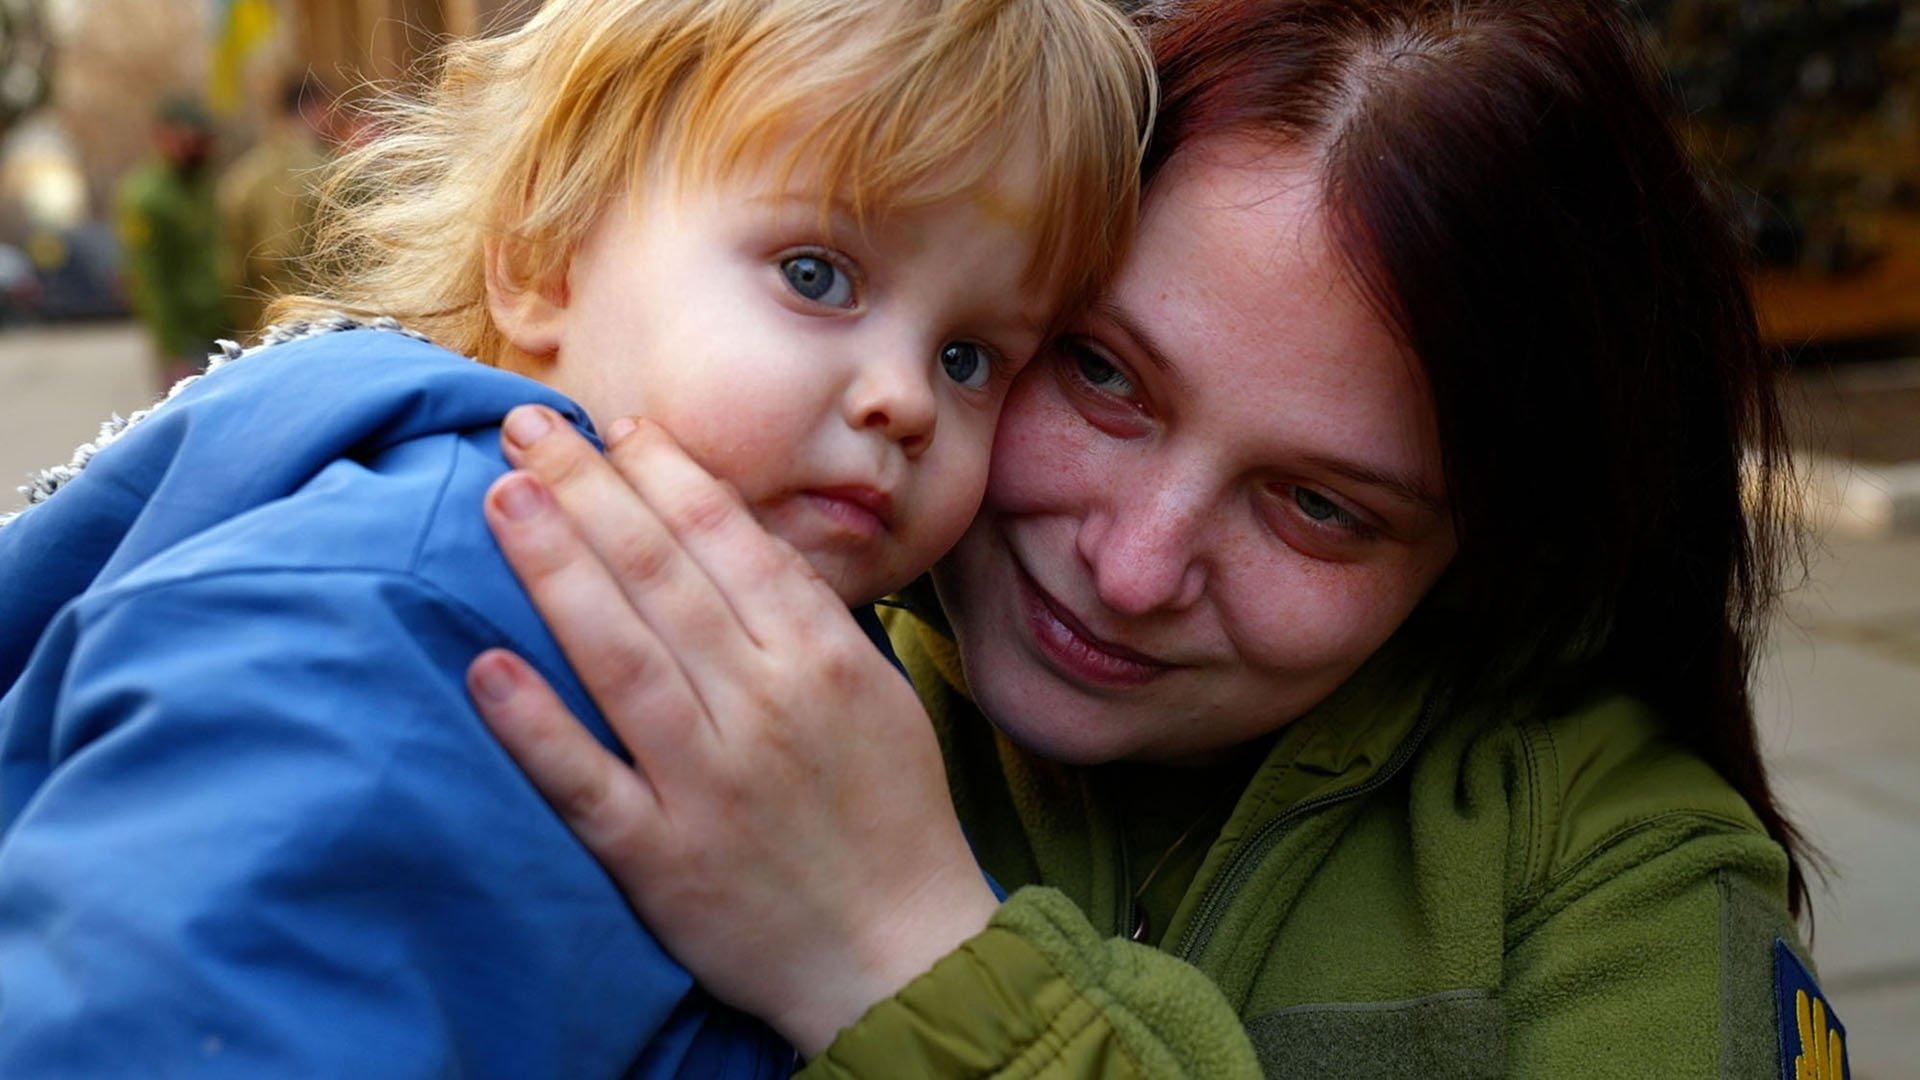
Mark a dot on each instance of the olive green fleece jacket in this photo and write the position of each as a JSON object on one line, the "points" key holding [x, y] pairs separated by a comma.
{"points": [[1403, 889]]}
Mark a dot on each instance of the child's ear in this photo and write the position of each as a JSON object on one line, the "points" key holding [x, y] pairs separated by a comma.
{"points": [[529, 315]]}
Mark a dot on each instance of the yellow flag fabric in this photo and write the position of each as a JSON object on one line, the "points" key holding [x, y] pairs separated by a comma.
{"points": [[242, 26]]}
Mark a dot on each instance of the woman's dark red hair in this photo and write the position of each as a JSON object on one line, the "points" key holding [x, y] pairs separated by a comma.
{"points": [[1508, 187]]}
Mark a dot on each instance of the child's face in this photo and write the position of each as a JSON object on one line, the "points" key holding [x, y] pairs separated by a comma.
{"points": [[847, 382]]}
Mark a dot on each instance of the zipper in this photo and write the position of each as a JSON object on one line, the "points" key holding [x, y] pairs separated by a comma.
{"points": [[1125, 929], [1230, 881]]}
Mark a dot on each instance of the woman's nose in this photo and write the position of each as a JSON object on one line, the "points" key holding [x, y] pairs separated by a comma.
{"points": [[1145, 553], [897, 400]]}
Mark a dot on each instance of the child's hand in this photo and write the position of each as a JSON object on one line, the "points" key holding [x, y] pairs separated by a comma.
{"points": [[786, 829]]}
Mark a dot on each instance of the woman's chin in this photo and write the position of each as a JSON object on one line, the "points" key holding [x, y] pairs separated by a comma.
{"points": [[1060, 731]]}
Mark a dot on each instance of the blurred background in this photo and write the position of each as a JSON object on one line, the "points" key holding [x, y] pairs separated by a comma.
{"points": [[157, 159]]}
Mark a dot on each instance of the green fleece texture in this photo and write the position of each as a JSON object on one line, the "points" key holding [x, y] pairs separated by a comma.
{"points": [[1441, 1037], [1039, 993], [1407, 886]]}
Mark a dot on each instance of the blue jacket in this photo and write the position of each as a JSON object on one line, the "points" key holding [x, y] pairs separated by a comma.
{"points": [[249, 823]]}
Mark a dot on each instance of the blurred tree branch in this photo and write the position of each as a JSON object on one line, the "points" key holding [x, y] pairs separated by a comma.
{"points": [[117, 60], [1812, 108], [26, 59]]}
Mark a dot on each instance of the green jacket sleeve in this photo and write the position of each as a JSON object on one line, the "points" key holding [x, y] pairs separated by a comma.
{"points": [[1040, 993], [1653, 954]]}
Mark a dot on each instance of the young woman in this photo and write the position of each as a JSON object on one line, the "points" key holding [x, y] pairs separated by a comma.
{"points": [[1348, 669]]}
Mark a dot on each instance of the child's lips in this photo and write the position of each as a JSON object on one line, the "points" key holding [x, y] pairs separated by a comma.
{"points": [[861, 510]]}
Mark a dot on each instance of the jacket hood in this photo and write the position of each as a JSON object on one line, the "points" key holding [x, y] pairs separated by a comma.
{"points": [[254, 429]]}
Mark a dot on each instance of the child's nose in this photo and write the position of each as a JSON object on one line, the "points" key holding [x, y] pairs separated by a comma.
{"points": [[897, 400]]}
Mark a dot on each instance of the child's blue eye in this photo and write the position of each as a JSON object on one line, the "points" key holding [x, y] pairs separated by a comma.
{"points": [[818, 280], [966, 363]]}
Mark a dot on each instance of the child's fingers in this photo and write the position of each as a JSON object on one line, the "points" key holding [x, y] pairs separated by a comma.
{"points": [[644, 559], [607, 804], [633, 676]]}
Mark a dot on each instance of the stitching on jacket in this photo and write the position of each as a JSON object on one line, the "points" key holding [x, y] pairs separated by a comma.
{"points": [[1535, 823], [1633, 825], [1270, 802], [1426, 1001], [1550, 778], [41, 485], [1605, 844]]}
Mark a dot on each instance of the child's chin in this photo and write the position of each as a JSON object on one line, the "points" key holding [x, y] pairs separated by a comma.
{"points": [[856, 581]]}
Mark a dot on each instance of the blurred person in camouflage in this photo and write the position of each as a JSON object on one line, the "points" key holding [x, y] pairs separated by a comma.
{"points": [[268, 200], [170, 229]]}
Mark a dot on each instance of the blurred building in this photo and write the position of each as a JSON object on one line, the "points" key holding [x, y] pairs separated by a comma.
{"points": [[345, 40], [1811, 109]]}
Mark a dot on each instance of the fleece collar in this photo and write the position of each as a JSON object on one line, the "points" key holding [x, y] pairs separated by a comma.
{"points": [[51, 479]]}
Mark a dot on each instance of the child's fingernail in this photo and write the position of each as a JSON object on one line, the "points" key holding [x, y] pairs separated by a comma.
{"points": [[520, 498], [493, 679], [620, 429], [527, 425]]}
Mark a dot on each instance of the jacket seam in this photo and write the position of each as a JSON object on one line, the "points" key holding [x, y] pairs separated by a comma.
{"points": [[1425, 1001], [433, 509], [1269, 801], [121, 594], [1535, 824], [1549, 791], [1605, 844], [1633, 825]]}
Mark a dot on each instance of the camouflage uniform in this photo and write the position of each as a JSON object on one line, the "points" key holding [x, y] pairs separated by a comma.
{"points": [[171, 233]]}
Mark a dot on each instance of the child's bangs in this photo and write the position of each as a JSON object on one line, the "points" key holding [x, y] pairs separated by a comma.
{"points": [[1039, 114]]}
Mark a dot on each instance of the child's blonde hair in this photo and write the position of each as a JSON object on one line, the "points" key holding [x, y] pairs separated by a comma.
{"points": [[526, 138]]}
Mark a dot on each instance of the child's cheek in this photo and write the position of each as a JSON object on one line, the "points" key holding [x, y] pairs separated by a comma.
{"points": [[754, 446], [955, 498]]}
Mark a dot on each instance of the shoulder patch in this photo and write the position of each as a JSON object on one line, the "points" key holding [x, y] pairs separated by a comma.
{"points": [[1813, 1042]]}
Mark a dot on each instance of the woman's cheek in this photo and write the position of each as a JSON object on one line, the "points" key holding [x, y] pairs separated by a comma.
{"points": [[1044, 452], [1303, 619]]}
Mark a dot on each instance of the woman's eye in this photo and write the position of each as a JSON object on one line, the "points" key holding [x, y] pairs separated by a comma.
{"points": [[1325, 511], [1315, 505], [818, 280], [966, 363], [1318, 526], [1100, 373]]}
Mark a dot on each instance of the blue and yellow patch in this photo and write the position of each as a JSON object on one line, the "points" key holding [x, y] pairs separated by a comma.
{"points": [[1813, 1042]]}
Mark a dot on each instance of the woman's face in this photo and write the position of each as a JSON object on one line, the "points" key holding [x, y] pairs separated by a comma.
{"points": [[1214, 500]]}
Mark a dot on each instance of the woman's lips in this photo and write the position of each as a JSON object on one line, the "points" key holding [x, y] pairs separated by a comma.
{"points": [[1073, 650]]}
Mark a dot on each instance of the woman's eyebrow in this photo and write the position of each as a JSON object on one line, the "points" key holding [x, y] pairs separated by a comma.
{"points": [[1403, 485], [1107, 311]]}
